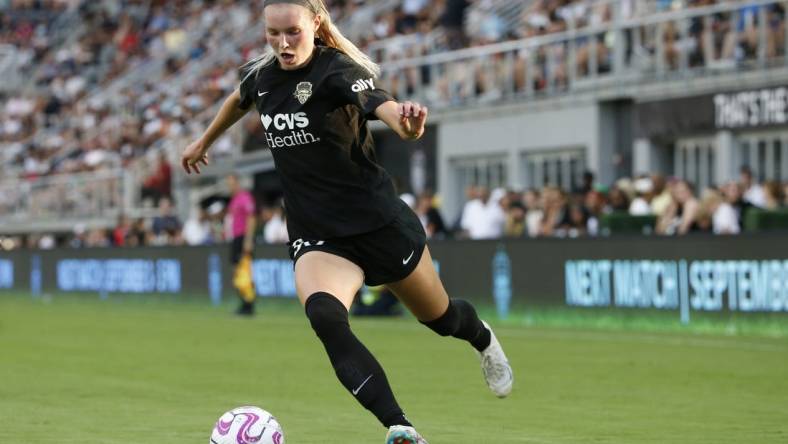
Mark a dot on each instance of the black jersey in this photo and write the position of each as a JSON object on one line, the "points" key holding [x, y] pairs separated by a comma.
{"points": [[315, 121]]}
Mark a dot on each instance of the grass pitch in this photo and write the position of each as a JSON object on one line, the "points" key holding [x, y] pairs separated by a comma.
{"points": [[77, 370]]}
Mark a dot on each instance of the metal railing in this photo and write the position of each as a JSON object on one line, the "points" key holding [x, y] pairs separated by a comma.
{"points": [[658, 46], [9, 67], [63, 197]]}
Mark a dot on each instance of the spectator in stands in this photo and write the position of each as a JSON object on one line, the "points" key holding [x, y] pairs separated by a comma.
{"points": [[276, 228], [723, 217], [575, 224], [773, 197], [777, 27], [619, 201], [430, 217], [732, 195], [264, 215], [752, 192], [159, 184], [216, 213], [662, 196], [47, 242], [483, 218], [587, 183], [196, 229], [121, 231], [98, 238], [536, 19], [555, 211], [166, 224], [682, 215], [595, 207], [744, 43], [471, 198], [78, 236], [515, 221], [534, 213], [453, 21], [640, 205]]}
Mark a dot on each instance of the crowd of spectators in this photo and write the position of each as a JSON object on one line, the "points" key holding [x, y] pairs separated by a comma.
{"points": [[207, 224], [90, 110], [68, 125], [726, 41], [87, 112], [674, 204]]}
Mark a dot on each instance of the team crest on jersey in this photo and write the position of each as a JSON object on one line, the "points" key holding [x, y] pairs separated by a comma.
{"points": [[303, 91]]}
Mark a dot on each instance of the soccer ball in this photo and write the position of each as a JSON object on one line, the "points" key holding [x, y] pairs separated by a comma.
{"points": [[247, 425]]}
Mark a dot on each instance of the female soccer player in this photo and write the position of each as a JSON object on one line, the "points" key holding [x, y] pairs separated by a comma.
{"points": [[315, 92]]}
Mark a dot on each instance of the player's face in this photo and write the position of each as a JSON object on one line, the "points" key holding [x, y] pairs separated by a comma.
{"points": [[290, 30]]}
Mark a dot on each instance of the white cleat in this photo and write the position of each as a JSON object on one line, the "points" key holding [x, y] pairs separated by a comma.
{"points": [[399, 434], [497, 371]]}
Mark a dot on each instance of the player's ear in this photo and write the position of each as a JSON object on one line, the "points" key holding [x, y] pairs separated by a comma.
{"points": [[317, 22]]}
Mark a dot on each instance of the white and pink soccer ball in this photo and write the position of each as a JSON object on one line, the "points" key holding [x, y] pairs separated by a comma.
{"points": [[247, 425]]}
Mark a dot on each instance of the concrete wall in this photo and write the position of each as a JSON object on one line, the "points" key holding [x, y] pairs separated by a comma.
{"points": [[514, 131]]}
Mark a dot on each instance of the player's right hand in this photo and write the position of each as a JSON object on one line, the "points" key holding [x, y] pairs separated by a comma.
{"points": [[195, 153]]}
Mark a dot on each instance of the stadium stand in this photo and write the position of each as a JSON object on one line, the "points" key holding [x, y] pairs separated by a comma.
{"points": [[101, 96]]}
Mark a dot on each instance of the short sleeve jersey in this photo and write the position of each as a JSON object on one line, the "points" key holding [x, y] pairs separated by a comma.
{"points": [[241, 207], [315, 122]]}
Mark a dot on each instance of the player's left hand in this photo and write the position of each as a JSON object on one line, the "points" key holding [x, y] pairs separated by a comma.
{"points": [[195, 153], [412, 117]]}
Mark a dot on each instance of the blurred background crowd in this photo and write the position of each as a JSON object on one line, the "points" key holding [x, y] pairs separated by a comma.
{"points": [[94, 107], [125, 84], [673, 205]]}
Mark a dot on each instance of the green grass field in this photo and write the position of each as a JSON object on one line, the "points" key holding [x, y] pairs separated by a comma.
{"points": [[78, 370]]}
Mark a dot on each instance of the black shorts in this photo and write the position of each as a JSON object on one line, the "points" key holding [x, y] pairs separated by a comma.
{"points": [[236, 249], [388, 254]]}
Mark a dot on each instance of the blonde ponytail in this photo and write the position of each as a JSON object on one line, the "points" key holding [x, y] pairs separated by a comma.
{"points": [[252, 67], [329, 34]]}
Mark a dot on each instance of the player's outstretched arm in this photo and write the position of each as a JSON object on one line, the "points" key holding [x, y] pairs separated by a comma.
{"points": [[197, 151], [406, 118]]}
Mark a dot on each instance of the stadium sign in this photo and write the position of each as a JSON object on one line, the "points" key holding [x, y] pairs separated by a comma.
{"points": [[751, 108], [274, 277], [731, 274], [703, 285], [119, 275], [685, 116]]}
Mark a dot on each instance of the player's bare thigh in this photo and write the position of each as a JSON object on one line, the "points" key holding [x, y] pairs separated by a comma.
{"points": [[317, 271], [422, 291]]}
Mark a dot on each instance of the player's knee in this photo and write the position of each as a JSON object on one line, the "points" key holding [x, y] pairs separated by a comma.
{"points": [[325, 313], [448, 323]]}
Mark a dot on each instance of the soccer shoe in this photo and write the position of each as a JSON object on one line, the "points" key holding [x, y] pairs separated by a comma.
{"points": [[245, 309], [497, 371], [399, 434]]}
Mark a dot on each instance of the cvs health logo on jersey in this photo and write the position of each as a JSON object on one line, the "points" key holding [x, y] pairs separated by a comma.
{"points": [[294, 123]]}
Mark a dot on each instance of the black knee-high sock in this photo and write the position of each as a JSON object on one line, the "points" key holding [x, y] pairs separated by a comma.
{"points": [[461, 321], [354, 365]]}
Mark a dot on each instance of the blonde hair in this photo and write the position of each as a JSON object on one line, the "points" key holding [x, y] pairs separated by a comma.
{"points": [[329, 34]]}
